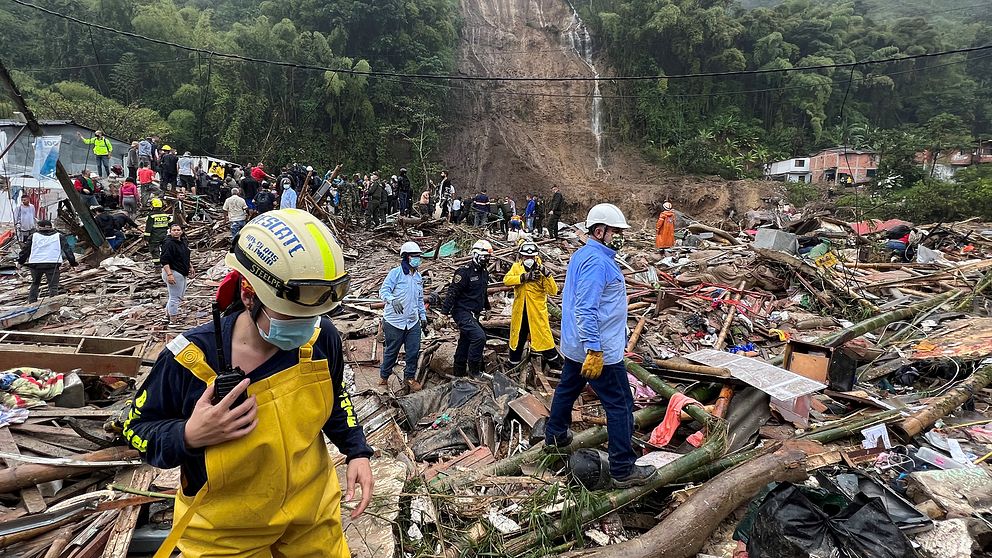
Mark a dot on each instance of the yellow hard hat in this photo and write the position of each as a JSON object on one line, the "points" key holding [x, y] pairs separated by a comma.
{"points": [[166, 148], [156, 203], [292, 262]]}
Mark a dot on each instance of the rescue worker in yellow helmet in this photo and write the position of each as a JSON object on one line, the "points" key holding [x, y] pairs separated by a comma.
{"points": [[532, 285], [256, 477]]}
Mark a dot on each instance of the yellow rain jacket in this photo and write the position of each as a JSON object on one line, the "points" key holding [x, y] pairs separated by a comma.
{"points": [[532, 295]]}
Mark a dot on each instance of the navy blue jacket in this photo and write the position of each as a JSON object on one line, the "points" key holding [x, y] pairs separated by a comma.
{"points": [[171, 391], [468, 291]]}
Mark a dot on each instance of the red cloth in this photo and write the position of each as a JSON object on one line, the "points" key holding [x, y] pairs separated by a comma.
{"points": [[662, 434], [258, 173]]}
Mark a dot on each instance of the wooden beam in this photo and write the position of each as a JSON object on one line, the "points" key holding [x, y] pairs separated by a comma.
{"points": [[31, 495], [123, 529], [66, 362]]}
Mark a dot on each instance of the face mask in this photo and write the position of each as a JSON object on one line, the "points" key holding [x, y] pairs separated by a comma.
{"points": [[289, 334], [616, 243], [415, 261], [529, 263], [481, 260]]}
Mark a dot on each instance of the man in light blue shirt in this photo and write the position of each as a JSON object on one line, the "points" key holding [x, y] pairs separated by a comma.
{"points": [[404, 317], [593, 339], [288, 199]]}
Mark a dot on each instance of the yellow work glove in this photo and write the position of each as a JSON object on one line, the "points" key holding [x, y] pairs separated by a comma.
{"points": [[593, 365]]}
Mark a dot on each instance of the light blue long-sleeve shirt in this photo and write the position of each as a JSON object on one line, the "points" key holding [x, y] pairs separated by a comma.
{"points": [[594, 305], [288, 200], [409, 289]]}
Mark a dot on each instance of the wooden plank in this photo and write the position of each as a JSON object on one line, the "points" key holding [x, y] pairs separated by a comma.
{"points": [[40, 447], [33, 500], [122, 365], [57, 412], [123, 528]]}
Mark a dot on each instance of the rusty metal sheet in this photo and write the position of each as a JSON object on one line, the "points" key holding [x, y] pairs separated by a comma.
{"points": [[472, 459], [529, 408]]}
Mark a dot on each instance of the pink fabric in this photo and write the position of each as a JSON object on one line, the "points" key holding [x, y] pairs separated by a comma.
{"points": [[662, 434]]}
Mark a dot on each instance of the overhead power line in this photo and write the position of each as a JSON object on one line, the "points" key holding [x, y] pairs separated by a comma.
{"points": [[457, 77]]}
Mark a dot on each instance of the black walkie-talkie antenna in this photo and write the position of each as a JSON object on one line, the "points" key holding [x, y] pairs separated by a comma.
{"points": [[222, 361]]}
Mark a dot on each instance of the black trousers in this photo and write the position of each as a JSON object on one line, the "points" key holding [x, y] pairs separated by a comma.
{"points": [[50, 271], [550, 355], [471, 337]]}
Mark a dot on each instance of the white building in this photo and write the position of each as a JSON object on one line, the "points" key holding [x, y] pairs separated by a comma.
{"points": [[789, 170]]}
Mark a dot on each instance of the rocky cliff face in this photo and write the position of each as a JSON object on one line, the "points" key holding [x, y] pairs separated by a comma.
{"points": [[517, 138]]}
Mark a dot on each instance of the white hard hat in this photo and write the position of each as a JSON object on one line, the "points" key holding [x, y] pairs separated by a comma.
{"points": [[410, 247], [606, 214], [292, 262], [309, 169], [482, 247], [667, 205]]}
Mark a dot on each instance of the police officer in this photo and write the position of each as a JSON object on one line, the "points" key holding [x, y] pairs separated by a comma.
{"points": [[156, 228], [467, 299]]}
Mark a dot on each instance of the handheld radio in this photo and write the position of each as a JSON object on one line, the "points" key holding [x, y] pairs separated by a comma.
{"points": [[228, 378]]}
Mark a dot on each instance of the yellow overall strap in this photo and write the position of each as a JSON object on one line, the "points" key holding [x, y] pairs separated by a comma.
{"points": [[188, 356], [306, 351], [179, 525]]}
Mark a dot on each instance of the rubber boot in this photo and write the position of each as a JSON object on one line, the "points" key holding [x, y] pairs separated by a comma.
{"points": [[459, 369], [476, 368], [638, 476]]}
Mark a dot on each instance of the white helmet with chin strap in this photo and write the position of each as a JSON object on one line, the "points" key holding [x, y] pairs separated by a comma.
{"points": [[481, 252], [410, 247]]}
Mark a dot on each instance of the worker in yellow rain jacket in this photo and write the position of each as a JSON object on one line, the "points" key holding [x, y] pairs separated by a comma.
{"points": [[532, 285], [242, 405]]}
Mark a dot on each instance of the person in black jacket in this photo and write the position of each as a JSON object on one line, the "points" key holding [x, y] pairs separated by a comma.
{"points": [[467, 298], [265, 199], [43, 253], [554, 211], [405, 193], [176, 269]]}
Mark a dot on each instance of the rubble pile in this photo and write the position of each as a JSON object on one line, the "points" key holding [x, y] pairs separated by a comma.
{"points": [[804, 386]]}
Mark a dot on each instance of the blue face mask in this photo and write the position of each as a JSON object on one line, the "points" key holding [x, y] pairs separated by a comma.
{"points": [[291, 334], [415, 261]]}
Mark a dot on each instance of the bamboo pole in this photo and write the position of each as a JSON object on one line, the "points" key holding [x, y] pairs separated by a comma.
{"points": [[722, 339], [636, 334], [679, 366], [683, 533], [945, 404]]}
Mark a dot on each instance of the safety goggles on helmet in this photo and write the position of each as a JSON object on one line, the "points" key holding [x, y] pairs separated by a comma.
{"points": [[305, 292]]}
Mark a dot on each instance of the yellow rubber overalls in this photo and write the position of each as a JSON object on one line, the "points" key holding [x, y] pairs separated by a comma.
{"points": [[273, 492]]}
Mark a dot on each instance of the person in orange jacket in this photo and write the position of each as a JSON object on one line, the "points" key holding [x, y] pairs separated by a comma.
{"points": [[665, 228]]}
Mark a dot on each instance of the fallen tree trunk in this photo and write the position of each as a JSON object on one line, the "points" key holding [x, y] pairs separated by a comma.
{"points": [[684, 532], [945, 404], [30, 474]]}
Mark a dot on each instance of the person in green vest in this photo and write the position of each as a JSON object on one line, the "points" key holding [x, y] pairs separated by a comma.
{"points": [[102, 148], [156, 228]]}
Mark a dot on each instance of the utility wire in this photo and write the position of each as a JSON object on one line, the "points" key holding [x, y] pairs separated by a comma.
{"points": [[584, 96], [496, 78]]}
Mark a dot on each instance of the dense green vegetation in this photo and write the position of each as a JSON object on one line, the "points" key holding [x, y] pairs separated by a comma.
{"points": [[243, 111], [728, 125]]}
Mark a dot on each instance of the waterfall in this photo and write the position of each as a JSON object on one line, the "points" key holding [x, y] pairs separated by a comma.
{"points": [[580, 42]]}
